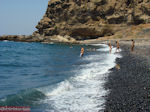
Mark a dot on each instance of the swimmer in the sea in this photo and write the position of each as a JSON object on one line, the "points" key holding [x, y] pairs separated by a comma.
{"points": [[82, 52], [109, 44], [118, 46], [132, 46]]}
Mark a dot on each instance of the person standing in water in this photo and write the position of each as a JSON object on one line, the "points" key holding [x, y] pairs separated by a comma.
{"points": [[109, 44], [118, 46], [82, 52], [132, 46]]}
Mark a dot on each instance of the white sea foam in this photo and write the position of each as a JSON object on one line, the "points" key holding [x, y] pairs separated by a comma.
{"points": [[5, 40], [84, 92]]}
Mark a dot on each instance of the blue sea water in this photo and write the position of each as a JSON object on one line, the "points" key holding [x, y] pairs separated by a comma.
{"points": [[53, 77]]}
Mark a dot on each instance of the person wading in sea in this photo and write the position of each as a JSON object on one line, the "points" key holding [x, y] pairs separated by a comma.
{"points": [[132, 46], [118, 46], [109, 44], [82, 52]]}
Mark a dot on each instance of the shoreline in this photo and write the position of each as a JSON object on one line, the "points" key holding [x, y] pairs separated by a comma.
{"points": [[129, 87]]}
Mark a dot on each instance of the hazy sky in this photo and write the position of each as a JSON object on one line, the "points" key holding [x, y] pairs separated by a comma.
{"points": [[20, 16]]}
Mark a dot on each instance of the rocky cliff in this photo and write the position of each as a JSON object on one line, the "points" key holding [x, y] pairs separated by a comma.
{"points": [[86, 19]]}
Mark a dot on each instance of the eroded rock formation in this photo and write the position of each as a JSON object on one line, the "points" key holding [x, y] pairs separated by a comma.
{"points": [[86, 19]]}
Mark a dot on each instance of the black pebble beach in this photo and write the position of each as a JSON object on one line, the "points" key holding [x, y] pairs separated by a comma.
{"points": [[129, 87]]}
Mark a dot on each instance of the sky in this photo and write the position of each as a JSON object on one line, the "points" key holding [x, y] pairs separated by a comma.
{"points": [[19, 17]]}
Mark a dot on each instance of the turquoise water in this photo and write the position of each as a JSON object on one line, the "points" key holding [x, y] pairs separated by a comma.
{"points": [[52, 77]]}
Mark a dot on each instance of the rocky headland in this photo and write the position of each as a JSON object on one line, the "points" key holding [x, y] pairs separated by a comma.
{"points": [[89, 19]]}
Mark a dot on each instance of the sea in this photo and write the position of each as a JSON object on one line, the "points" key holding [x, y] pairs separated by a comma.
{"points": [[53, 77]]}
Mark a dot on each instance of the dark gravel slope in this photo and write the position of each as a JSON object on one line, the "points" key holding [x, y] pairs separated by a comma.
{"points": [[130, 86]]}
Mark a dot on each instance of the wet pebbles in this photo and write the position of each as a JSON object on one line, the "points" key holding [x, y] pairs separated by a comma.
{"points": [[129, 86]]}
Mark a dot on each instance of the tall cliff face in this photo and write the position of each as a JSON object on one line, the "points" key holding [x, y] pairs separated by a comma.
{"points": [[84, 19]]}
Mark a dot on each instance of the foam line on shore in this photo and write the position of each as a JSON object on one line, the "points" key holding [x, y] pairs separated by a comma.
{"points": [[84, 91]]}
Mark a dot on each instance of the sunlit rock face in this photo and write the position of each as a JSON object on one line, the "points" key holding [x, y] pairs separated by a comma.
{"points": [[87, 19]]}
